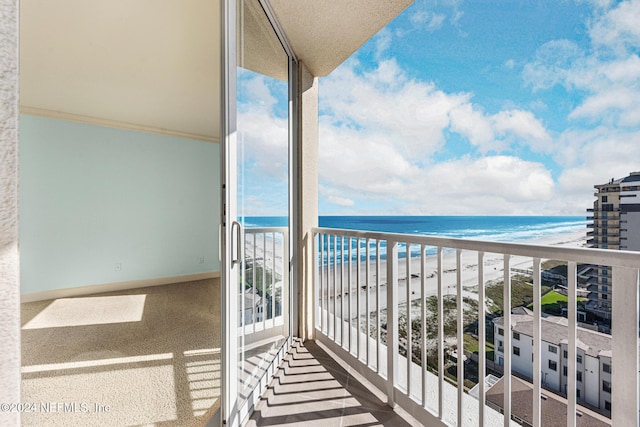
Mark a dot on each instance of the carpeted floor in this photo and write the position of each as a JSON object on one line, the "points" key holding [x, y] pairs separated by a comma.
{"points": [[148, 356]]}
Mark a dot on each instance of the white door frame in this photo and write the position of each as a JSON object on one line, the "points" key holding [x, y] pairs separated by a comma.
{"points": [[233, 411]]}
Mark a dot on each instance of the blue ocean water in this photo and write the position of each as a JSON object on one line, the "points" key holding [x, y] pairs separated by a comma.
{"points": [[491, 228]]}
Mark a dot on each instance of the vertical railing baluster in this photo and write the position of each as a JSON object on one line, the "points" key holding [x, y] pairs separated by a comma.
{"points": [[507, 339], [273, 279], [460, 331], [316, 282], [253, 285], [378, 370], [392, 319], [423, 323], [349, 284], [440, 336], [572, 350], [342, 291], [323, 255], [624, 344], [482, 341], [366, 302], [335, 288], [408, 298], [358, 303], [327, 277], [264, 280], [537, 343]]}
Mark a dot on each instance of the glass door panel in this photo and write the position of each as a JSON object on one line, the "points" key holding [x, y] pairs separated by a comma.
{"points": [[262, 141]]}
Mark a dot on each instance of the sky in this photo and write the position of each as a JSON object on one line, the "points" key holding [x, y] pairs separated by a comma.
{"points": [[477, 107]]}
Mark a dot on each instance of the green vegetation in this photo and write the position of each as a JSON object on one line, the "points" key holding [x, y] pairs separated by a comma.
{"points": [[521, 293], [471, 345], [552, 264], [553, 302], [260, 273]]}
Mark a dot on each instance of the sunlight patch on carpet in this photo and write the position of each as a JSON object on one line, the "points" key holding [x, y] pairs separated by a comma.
{"points": [[203, 375], [66, 312], [94, 363], [134, 396]]}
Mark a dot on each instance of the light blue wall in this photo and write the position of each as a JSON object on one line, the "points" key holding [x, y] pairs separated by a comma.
{"points": [[92, 196]]}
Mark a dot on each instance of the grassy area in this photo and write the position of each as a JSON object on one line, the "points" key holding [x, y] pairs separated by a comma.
{"points": [[521, 293], [553, 302], [550, 264], [471, 345]]}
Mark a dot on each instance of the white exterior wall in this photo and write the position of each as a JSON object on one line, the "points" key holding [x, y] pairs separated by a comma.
{"points": [[631, 227], [591, 367], [591, 379], [604, 396], [497, 353], [551, 378], [523, 364], [580, 367]]}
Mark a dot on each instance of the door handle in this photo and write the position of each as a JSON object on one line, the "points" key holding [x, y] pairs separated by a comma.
{"points": [[237, 241]]}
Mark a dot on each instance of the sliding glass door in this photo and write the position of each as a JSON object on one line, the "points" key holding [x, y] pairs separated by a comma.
{"points": [[255, 221]]}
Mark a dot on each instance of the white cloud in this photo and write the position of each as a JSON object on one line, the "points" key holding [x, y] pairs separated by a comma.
{"points": [[602, 154], [618, 28], [427, 20], [603, 141], [379, 131], [414, 115], [409, 114], [340, 201], [474, 125], [552, 64], [525, 126]]}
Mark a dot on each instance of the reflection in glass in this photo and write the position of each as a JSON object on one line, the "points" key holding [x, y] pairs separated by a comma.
{"points": [[262, 138]]}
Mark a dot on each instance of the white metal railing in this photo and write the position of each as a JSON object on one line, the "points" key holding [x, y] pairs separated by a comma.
{"points": [[265, 278], [370, 297]]}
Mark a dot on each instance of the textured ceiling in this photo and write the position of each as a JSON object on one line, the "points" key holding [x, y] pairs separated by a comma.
{"points": [[325, 33]]}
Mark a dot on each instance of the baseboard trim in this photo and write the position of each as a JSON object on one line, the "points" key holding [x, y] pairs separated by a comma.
{"points": [[117, 286]]}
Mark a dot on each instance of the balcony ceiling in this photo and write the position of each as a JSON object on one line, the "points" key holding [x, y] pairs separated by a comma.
{"points": [[154, 65], [325, 33]]}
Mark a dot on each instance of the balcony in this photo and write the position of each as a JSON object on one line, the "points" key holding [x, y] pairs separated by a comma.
{"points": [[369, 286]]}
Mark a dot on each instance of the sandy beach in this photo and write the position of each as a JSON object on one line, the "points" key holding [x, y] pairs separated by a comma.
{"points": [[493, 270], [345, 280]]}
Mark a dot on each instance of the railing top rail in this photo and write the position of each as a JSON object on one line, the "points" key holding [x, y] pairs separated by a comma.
{"points": [[266, 230], [614, 258]]}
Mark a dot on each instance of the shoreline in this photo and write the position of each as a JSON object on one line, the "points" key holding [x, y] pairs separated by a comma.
{"points": [[493, 270], [349, 284]]}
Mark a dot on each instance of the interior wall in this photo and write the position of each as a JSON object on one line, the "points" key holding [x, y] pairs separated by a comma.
{"points": [[100, 205]]}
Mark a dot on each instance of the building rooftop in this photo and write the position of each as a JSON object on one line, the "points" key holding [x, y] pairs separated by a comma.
{"points": [[554, 331], [553, 408], [633, 177]]}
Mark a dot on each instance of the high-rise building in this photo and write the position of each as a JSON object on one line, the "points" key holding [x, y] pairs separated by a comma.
{"points": [[616, 225]]}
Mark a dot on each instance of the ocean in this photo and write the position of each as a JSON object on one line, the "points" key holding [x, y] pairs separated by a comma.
{"points": [[491, 228]]}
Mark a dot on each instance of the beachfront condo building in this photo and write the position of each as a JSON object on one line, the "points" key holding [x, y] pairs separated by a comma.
{"points": [[615, 220]]}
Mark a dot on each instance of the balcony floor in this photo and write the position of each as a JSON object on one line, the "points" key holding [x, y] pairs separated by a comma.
{"points": [[313, 388]]}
